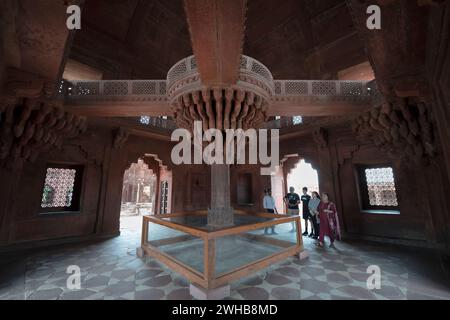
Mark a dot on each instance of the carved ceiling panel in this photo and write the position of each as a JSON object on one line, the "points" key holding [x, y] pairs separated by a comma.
{"points": [[307, 34]]}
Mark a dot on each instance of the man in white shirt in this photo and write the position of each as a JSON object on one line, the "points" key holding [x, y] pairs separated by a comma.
{"points": [[269, 205]]}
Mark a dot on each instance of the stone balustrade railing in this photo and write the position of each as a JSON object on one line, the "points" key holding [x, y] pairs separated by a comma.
{"points": [[184, 78], [108, 89], [324, 88], [188, 66], [105, 89]]}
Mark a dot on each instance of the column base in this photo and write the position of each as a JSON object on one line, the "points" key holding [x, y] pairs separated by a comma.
{"points": [[220, 217], [140, 253], [209, 294], [303, 255]]}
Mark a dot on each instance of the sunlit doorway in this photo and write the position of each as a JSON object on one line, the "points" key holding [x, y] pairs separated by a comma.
{"points": [[138, 195], [303, 175]]}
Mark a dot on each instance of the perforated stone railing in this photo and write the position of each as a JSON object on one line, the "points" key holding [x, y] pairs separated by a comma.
{"points": [[282, 88], [255, 81], [184, 77], [181, 69], [188, 66], [254, 66], [106, 89], [253, 74], [325, 88]]}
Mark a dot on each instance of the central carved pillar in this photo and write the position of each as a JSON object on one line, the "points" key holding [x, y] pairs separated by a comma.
{"points": [[242, 104], [220, 214]]}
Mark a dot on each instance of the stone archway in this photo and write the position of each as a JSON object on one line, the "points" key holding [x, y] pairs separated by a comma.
{"points": [[145, 165], [139, 190], [163, 181], [298, 172], [279, 181], [303, 175]]}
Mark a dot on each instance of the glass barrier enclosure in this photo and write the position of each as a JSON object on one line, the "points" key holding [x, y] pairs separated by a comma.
{"points": [[213, 257]]}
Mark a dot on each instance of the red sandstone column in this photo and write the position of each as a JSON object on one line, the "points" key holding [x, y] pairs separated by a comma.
{"points": [[189, 205], [220, 214]]}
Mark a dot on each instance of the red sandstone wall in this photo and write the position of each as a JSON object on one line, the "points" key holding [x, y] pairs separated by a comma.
{"points": [[191, 187], [23, 220], [99, 214], [420, 188], [257, 185]]}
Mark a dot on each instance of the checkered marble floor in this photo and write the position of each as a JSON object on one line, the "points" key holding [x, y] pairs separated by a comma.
{"points": [[111, 270]]}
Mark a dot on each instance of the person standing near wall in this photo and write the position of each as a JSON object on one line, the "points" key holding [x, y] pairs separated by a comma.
{"points": [[313, 206], [292, 200], [329, 223], [269, 205], [305, 209]]}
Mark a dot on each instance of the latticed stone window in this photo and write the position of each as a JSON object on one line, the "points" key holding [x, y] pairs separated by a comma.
{"points": [[296, 120], [61, 189], [144, 120], [154, 121], [381, 187], [378, 188]]}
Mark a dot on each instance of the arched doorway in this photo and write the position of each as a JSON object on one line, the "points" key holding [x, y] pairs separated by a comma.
{"points": [[303, 175], [300, 176], [138, 194]]}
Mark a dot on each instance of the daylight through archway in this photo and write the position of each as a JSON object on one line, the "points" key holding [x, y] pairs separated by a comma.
{"points": [[303, 175], [138, 194]]}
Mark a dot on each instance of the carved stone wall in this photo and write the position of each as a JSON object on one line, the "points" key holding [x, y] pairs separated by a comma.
{"points": [[420, 185], [21, 216], [30, 126], [403, 129], [438, 72]]}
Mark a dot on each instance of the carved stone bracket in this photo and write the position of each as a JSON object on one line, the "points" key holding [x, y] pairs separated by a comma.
{"points": [[403, 129], [30, 120], [221, 109], [320, 136], [31, 125], [120, 138]]}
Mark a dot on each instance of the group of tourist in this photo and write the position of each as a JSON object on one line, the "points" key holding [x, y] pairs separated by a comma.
{"points": [[319, 213]]}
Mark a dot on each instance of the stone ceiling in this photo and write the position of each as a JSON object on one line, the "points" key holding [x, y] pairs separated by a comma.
{"points": [[132, 38], [302, 39], [142, 39]]}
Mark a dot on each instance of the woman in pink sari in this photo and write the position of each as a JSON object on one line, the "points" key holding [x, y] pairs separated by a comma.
{"points": [[329, 222]]}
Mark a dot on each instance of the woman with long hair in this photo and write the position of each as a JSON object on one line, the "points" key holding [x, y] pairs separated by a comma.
{"points": [[329, 222]]}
